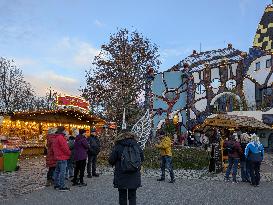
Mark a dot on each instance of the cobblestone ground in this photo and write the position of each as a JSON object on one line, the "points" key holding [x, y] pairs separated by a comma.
{"points": [[26, 186]]}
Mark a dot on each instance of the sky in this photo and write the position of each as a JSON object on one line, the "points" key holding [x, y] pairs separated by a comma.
{"points": [[55, 41]]}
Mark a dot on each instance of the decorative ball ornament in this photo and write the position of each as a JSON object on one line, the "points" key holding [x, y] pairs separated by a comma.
{"points": [[175, 119], [231, 84]]}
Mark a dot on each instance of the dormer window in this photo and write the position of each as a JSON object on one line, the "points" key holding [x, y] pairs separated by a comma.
{"points": [[268, 63], [258, 66]]}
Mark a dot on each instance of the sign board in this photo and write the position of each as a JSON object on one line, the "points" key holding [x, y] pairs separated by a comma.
{"points": [[72, 101], [220, 123]]}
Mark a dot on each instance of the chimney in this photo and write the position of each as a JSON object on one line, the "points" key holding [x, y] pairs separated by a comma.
{"points": [[229, 46]]}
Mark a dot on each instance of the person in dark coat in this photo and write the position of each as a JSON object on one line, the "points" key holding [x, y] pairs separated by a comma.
{"points": [[234, 153], [93, 152], [70, 161], [80, 155], [244, 163], [125, 182]]}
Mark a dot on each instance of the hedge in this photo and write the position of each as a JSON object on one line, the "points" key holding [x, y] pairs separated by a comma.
{"points": [[183, 158]]}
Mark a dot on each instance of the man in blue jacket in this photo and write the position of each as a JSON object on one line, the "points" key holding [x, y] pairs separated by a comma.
{"points": [[254, 152]]}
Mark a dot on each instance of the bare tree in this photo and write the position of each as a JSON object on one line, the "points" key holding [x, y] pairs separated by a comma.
{"points": [[119, 76], [15, 93]]}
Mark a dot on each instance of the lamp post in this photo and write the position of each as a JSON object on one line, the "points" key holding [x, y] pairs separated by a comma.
{"points": [[175, 122]]}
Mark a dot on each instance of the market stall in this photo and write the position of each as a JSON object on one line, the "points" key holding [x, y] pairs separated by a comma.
{"points": [[225, 125], [27, 130]]}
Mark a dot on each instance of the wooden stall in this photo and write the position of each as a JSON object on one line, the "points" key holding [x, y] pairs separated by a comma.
{"points": [[28, 130], [226, 124]]}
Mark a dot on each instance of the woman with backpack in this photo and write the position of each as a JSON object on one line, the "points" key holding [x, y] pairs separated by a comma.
{"points": [[127, 176], [255, 152], [234, 151]]}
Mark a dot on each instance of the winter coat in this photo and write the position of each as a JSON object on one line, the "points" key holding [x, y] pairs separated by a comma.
{"points": [[60, 148], [94, 144], [71, 142], [50, 160], [123, 180], [237, 149], [243, 157], [81, 147], [254, 151], [165, 146]]}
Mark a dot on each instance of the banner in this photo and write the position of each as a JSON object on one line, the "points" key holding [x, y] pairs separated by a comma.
{"points": [[72, 101]]}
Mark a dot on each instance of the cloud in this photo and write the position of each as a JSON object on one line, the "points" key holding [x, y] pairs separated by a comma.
{"points": [[60, 83], [85, 54], [74, 53], [61, 67], [24, 62], [99, 23]]}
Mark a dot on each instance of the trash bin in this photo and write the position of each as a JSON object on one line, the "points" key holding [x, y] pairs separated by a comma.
{"points": [[10, 159], [1, 161]]}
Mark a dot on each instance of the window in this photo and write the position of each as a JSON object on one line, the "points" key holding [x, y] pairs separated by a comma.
{"points": [[201, 75], [258, 66], [268, 91], [268, 63]]}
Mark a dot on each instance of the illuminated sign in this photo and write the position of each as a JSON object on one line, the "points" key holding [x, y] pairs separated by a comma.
{"points": [[72, 101]]}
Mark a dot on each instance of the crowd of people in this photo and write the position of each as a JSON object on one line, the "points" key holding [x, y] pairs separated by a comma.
{"points": [[67, 155], [249, 152]]}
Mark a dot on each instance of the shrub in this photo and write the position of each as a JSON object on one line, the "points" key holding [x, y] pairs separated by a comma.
{"points": [[183, 158]]}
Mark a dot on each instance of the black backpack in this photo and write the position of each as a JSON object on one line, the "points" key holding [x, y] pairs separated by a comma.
{"points": [[94, 146], [130, 159]]}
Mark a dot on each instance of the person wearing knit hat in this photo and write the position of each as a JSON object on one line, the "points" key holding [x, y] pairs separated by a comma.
{"points": [[255, 152], [234, 150], [93, 152]]}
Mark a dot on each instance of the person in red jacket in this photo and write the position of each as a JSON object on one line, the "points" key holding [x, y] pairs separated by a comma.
{"points": [[62, 154], [50, 160]]}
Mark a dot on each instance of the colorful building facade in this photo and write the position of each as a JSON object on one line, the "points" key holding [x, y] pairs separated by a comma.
{"points": [[217, 81]]}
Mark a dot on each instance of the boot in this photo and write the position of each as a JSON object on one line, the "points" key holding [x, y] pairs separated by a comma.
{"points": [[48, 183]]}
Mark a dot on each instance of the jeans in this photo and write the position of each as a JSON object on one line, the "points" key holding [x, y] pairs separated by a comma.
{"points": [[69, 169], [166, 162], [92, 160], [80, 167], [245, 171], [123, 196], [60, 173], [255, 172], [50, 173], [232, 162]]}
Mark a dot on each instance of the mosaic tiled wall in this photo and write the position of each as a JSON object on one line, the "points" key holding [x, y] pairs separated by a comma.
{"points": [[169, 98]]}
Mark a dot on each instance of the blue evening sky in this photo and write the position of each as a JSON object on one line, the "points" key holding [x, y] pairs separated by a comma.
{"points": [[54, 41]]}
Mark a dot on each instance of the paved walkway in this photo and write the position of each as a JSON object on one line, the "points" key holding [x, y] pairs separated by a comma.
{"points": [[26, 186], [100, 192]]}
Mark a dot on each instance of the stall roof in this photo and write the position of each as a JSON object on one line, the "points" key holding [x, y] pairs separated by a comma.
{"points": [[66, 116], [234, 121]]}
